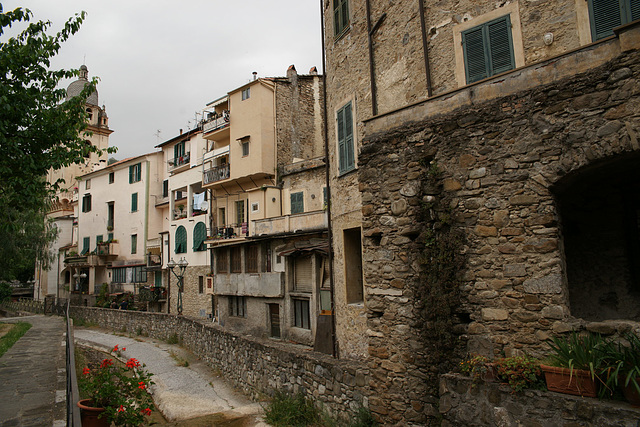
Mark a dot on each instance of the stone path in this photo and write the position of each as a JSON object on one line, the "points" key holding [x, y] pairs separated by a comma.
{"points": [[33, 375], [180, 392]]}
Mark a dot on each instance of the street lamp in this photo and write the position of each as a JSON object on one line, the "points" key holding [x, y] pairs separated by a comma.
{"points": [[78, 277], [182, 266]]}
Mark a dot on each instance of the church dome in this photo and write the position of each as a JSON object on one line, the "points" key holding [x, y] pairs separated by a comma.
{"points": [[76, 87]]}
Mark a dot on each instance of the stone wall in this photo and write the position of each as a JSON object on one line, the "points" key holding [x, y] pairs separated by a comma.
{"points": [[257, 367], [492, 170], [464, 403]]}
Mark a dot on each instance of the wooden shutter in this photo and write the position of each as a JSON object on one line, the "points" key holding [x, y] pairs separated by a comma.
{"points": [[131, 174], [199, 236], [500, 45], [86, 242], [342, 155], [605, 16], [488, 49], [303, 276], [134, 202], [634, 10], [474, 55], [346, 157], [297, 203]]}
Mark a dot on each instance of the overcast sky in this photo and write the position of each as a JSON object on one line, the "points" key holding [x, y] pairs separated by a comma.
{"points": [[161, 61]]}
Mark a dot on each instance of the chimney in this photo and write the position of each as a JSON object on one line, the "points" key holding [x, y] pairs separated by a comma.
{"points": [[292, 74], [180, 131], [313, 71], [255, 75]]}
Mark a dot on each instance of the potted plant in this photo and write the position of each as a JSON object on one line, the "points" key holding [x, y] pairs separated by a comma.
{"points": [[623, 368], [115, 392], [575, 364], [479, 368], [519, 372]]}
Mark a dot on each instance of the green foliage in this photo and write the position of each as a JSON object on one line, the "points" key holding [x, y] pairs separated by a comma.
{"points": [[291, 411], [475, 366], [622, 365], [173, 339], [103, 297], [39, 131], [11, 337], [520, 372], [363, 418], [587, 352], [5, 291]]}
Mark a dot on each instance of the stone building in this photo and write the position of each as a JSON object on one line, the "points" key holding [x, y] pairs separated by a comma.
{"points": [[264, 167], [502, 134], [55, 280]]}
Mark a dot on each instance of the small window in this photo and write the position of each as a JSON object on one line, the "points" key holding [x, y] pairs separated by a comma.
{"points": [[346, 156], [134, 243], [181, 240], [246, 93], [222, 217], [297, 203], [135, 173], [165, 188], [240, 212], [236, 259], [340, 16], [99, 239], [488, 49], [200, 284], [87, 184], [112, 177], [134, 202], [245, 148], [252, 259], [222, 261], [301, 317], [605, 15], [237, 306], [86, 203], [255, 207]]}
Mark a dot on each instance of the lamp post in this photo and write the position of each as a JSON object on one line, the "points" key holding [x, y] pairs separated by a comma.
{"points": [[78, 277], [182, 266]]}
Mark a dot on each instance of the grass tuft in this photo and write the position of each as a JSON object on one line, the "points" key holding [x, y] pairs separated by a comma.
{"points": [[291, 411], [11, 337]]}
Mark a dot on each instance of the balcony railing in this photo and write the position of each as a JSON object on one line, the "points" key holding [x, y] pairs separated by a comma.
{"points": [[108, 248], [219, 121], [217, 173], [177, 162], [306, 221], [231, 231]]}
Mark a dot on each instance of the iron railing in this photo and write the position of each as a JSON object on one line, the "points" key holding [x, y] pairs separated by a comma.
{"points": [[215, 174], [73, 394]]}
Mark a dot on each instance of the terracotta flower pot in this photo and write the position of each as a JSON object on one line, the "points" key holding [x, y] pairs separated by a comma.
{"points": [[563, 380], [89, 415], [631, 394]]}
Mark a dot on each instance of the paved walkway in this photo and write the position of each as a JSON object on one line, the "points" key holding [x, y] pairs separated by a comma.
{"points": [[180, 392], [33, 375]]}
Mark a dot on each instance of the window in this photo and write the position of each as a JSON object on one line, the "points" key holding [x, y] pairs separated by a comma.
{"points": [[110, 215], [246, 93], [236, 259], [340, 16], [255, 207], [119, 275], [301, 318], [99, 239], [245, 148], [240, 211], [222, 261], [178, 152], [86, 203], [87, 184], [237, 306], [157, 279], [251, 257], [165, 188], [134, 243], [109, 237], [134, 202], [112, 177], [488, 49], [199, 236], [297, 203], [86, 243], [181, 240], [605, 15], [303, 279], [139, 275], [135, 173], [200, 284], [222, 217], [353, 265], [346, 158]]}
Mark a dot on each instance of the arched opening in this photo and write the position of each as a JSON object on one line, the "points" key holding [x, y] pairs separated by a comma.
{"points": [[599, 208]]}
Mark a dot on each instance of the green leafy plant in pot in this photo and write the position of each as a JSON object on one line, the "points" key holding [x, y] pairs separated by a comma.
{"points": [[576, 364], [624, 367]]}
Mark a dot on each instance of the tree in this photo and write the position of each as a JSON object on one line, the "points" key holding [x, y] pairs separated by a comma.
{"points": [[39, 131]]}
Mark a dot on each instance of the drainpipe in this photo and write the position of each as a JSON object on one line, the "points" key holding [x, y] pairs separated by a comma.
{"points": [[425, 48], [328, 181], [372, 77]]}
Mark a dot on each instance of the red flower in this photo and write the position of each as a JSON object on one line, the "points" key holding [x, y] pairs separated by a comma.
{"points": [[121, 408], [146, 411], [132, 363], [86, 371], [124, 348], [141, 385], [115, 348], [106, 362]]}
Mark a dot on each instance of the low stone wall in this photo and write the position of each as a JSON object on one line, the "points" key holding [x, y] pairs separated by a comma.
{"points": [[258, 367], [464, 403]]}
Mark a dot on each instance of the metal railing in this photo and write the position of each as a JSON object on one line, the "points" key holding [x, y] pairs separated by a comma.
{"points": [[73, 394], [179, 161], [217, 173]]}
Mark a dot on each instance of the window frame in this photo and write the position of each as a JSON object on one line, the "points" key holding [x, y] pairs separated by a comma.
{"points": [[301, 313], [134, 202], [625, 11], [135, 173], [237, 306], [199, 236], [240, 213], [246, 93], [235, 259], [297, 206], [134, 244], [180, 238], [222, 260], [345, 136], [86, 203], [252, 258], [86, 245], [341, 19]]}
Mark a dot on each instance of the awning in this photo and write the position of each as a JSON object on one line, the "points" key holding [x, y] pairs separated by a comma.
{"points": [[304, 246]]}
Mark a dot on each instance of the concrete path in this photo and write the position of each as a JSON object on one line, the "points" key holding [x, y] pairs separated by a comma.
{"points": [[33, 375], [179, 392]]}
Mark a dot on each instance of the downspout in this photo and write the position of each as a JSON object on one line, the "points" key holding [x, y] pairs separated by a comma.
{"points": [[372, 77], [328, 181], [425, 48]]}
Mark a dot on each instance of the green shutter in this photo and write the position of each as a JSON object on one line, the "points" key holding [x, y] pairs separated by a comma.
{"points": [[199, 236], [500, 45], [109, 237], [488, 49], [297, 203], [340, 16], [605, 15], [130, 174], [158, 279], [98, 240], [134, 202], [633, 10], [346, 154], [181, 240], [86, 242]]}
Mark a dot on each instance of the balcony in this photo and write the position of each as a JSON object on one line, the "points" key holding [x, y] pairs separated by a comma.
{"points": [[231, 231], [106, 249], [307, 221], [177, 163], [250, 284], [216, 173], [217, 122]]}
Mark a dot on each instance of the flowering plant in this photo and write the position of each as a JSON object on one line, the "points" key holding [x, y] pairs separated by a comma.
{"points": [[121, 389]]}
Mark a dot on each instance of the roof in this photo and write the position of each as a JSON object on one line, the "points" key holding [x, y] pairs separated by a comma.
{"points": [[184, 135]]}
